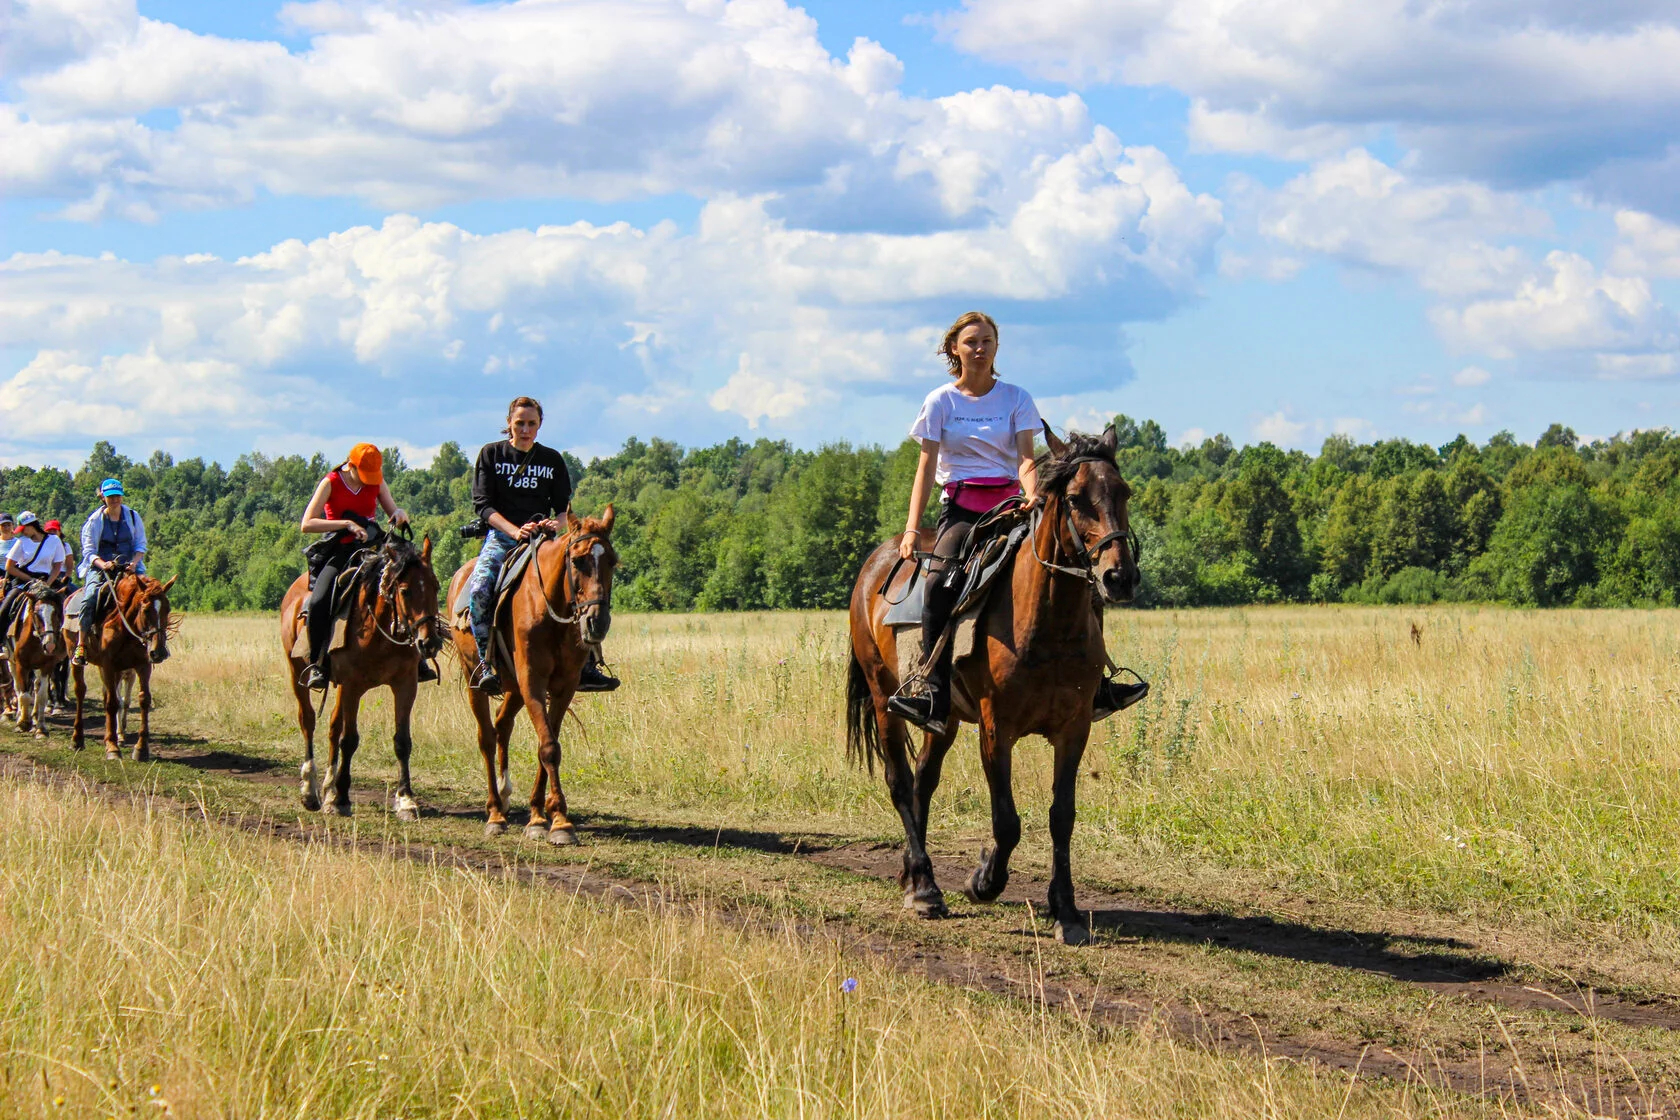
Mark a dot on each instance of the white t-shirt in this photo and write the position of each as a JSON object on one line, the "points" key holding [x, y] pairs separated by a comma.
{"points": [[976, 434], [52, 552]]}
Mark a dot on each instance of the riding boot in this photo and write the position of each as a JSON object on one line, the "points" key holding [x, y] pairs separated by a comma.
{"points": [[484, 677], [594, 678], [930, 707]]}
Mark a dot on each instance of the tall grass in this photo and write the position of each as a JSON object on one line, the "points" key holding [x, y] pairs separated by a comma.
{"points": [[155, 966]]}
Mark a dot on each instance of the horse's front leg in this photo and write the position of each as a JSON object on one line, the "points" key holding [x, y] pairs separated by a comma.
{"points": [[547, 801], [911, 790], [1070, 928], [344, 738], [111, 679], [78, 682], [143, 746], [402, 695], [43, 696], [21, 689], [997, 748]]}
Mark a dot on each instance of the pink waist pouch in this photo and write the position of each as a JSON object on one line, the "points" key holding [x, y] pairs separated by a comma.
{"points": [[978, 495]]}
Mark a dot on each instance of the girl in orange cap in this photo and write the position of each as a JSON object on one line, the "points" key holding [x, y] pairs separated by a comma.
{"points": [[342, 508]]}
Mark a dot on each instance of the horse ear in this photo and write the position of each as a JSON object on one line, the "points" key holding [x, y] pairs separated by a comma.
{"points": [[1110, 440], [168, 584], [608, 515], [572, 522], [426, 548], [1057, 447]]}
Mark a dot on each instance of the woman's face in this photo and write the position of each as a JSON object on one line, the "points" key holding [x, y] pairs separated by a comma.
{"points": [[977, 347], [113, 504], [523, 423]]}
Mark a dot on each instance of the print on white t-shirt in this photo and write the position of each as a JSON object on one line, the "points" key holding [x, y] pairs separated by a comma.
{"points": [[976, 435], [52, 551]]}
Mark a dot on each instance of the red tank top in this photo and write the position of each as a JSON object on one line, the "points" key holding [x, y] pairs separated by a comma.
{"points": [[343, 501]]}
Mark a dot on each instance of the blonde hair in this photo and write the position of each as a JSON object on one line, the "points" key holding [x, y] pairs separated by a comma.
{"points": [[948, 345]]}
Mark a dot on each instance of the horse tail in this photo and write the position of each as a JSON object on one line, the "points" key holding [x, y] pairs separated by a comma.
{"points": [[863, 732]]}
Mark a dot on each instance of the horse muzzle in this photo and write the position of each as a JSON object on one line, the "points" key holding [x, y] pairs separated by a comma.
{"points": [[595, 622], [1118, 583], [159, 654]]}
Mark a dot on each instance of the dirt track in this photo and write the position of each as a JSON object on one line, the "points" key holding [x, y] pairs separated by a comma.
{"points": [[1466, 1015]]}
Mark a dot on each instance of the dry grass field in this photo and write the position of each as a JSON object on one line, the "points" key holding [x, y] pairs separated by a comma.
{"points": [[1473, 789]]}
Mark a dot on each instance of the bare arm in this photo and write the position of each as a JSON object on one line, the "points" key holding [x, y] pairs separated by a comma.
{"points": [[919, 491], [313, 522], [397, 514], [1027, 468]]}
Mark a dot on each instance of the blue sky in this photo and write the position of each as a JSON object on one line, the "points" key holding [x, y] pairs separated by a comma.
{"points": [[246, 225]]}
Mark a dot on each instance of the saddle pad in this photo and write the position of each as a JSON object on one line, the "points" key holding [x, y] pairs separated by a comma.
{"points": [[340, 634], [965, 641], [518, 560]]}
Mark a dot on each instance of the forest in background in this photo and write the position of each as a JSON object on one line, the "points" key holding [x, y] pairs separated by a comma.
{"points": [[739, 525]]}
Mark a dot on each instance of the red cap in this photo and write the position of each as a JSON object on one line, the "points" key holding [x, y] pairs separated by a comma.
{"points": [[52, 526]]}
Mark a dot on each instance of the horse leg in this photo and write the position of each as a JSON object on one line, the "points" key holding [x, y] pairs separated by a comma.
{"points": [[1070, 928], [505, 721], [309, 783], [23, 685], [996, 758], [490, 733], [110, 679], [344, 737], [43, 694], [549, 808], [78, 682], [921, 891], [402, 696], [561, 833], [143, 746], [125, 696]]}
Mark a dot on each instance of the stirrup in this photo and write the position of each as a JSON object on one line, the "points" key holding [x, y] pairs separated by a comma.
{"points": [[485, 680], [918, 710], [1116, 696], [313, 678], [80, 656]]}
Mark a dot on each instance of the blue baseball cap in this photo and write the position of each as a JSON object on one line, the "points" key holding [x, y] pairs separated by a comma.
{"points": [[5, 518], [110, 486]]}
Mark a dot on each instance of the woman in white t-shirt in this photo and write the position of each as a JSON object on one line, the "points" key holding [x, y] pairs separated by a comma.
{"points": [[34, 555], [977, 443]]}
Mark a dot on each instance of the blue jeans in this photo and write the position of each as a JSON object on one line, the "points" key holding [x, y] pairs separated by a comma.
{"points": [[90, 594], [481, 589]]}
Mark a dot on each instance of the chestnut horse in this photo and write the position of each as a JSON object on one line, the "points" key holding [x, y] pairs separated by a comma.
{"points": [[393, 624], [561, 608], [1036, 672], [132, 636], [34, 645]]}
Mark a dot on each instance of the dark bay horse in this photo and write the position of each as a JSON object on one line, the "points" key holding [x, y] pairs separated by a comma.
{"points": [[559, 610], [393, 624], [1035, 674], [131, 637], [35, 645]]}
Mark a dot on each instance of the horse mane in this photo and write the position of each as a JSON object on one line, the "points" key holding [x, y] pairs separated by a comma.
{"points": [[1056, 471], [394, 557]]}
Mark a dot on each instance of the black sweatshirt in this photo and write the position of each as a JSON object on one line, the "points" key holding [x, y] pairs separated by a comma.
{"points": [[520, 485]]}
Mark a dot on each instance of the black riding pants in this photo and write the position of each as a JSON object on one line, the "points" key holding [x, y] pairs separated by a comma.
{"points": [[320, 599], [939, 598]]}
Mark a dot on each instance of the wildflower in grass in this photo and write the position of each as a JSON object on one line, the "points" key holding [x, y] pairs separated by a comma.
{"points": [[849, 985]]}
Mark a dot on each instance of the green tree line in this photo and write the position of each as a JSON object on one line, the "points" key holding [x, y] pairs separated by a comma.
{"points": [[740, 525]]}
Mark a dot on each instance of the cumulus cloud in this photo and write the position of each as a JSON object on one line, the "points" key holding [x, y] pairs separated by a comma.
{"points": [[747, 316], [1516, 94], [1645, 246]]}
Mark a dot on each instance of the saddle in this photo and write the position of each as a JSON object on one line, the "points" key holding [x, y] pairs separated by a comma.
{"points": [[991, 544], [512, 569], [343, 598]]}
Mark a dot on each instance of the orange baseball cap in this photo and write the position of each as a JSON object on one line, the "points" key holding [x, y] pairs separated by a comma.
{"points": [[369, 463]]}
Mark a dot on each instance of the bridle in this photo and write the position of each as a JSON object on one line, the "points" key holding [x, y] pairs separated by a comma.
{"points": [[404, 631], [1085, 555], [568, 591], [143, 637]]}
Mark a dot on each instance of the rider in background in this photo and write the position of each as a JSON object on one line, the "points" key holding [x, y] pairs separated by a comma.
{"points": [[977, 437], [61, 671], [521, 488], [113, 537], [35, 554], [342, 509], [8, 531]]}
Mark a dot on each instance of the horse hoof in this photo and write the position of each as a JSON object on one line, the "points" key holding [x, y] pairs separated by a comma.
{"points": [[142, 755], [494, 828], [112, 754], [976, 893], [1072, 933], [310, 801], [536, 832], [409, 816], [336, 809], [932, 907], [563, 837]]}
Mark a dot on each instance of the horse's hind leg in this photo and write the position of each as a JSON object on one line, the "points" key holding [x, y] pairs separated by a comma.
{"points": [[402, 694], [996, 758], [78, 682], [309, 782], [1070, 926], [921, 891], [23, 686], [43, 695]]}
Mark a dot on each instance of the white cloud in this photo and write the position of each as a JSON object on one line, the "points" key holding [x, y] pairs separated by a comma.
{"points": [[1516, 93], [1191, 437], [1471, 377], [1279, 428], [1645, 246]]}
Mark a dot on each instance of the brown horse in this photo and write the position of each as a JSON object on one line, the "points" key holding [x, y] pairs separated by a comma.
{"points": [[1036, 671], [35, 644], [393, 624], [132, 636], [560, 609]]}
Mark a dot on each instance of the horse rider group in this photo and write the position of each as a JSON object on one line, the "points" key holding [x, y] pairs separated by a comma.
{"points": [[520, 493]]}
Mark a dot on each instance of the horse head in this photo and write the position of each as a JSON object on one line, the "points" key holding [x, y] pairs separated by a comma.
{"points": [[590, 561], [1080, 476], [408, 595], [143, 610], [45, 616]]}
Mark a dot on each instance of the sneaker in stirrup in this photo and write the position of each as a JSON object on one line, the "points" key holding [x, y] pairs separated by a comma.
{"points": [[80, 656], [594, 679], [314, 678], [1116, 696], [485, 680]]}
